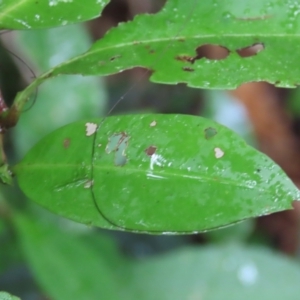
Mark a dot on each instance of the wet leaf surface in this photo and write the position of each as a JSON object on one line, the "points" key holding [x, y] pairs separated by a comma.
{"points": [[215, 44], [153, 173]]}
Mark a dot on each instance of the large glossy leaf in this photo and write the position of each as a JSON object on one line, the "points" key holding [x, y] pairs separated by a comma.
{"points": [[153, 173], [231, 272], [28, 14]]}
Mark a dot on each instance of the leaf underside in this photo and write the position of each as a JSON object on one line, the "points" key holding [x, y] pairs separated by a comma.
{"points": [[153, 173]]}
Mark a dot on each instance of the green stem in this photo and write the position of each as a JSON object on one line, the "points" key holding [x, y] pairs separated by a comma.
{"points": [[10, 117]]}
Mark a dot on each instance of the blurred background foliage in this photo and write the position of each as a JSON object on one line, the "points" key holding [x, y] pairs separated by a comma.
{"points": [[43, 256]]}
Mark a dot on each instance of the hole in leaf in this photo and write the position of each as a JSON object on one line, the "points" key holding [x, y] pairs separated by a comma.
{"points": [[250, 50], [150, 150], [210, 51], [118, 143]]}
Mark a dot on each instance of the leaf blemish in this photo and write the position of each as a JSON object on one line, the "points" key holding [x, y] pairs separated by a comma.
{"points": [[150, 150], [153, 123], [218, 152], [90, 128], [210, 132], [185, 58], [256, 18], [66, 143], [148, 47], [250, 50], [118, 143], [156, 159], [114, 57], [88, 184], [188, 69]]}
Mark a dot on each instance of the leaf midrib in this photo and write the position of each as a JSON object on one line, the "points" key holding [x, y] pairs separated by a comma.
{"points": [[220, 180], [177, 38], [5, 13]]}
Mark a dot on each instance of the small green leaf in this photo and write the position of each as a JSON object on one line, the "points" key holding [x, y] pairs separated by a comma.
{"points": [[7, 296], [28, 14], [153, 173], [214, 273]]}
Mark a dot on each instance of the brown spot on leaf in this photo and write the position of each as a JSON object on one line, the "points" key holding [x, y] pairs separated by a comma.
{"points": [[188, 69], [66, 143], [185, 58], [150, 150], [250, 50], [114, 57]]}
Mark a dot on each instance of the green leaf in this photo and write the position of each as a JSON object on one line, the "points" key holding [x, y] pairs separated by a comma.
{"points": [[153, 173], [232, 234], [61, 100], [7, 296], [169, 44], [64, 265], [29, 14], [213, 273]]}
